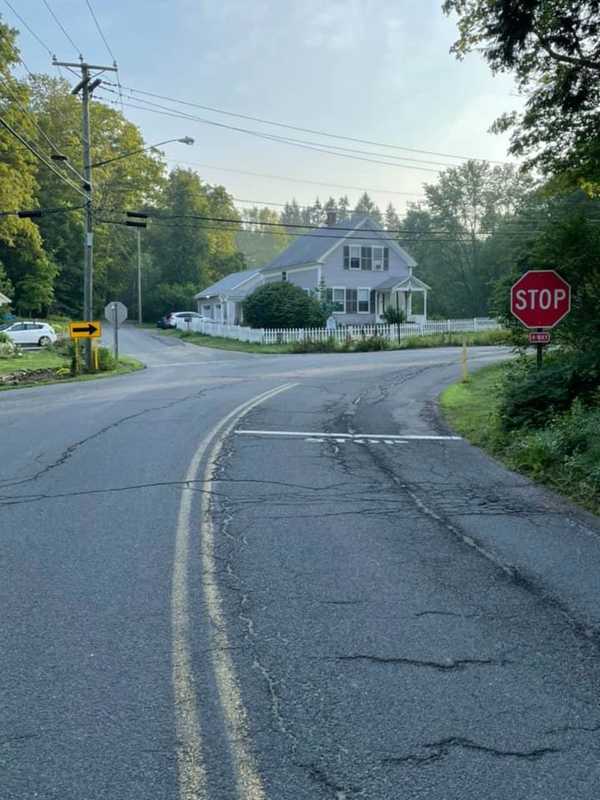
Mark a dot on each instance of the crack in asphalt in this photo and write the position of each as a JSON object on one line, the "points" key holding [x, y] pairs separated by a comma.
{"points": [[73, 448], [448, 665], [319, 776], [442, 748]]}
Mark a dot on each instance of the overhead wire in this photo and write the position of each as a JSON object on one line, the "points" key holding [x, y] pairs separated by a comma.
{"points": [[62, 27], [270, 137], [289, 179], [289, 139], [41, 158], [108, 48], [29, 28], [45, 136], [412, 238], [161, 217], [288, 126]]}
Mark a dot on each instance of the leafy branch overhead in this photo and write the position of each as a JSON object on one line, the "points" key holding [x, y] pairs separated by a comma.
{"points": [[553, 48]]}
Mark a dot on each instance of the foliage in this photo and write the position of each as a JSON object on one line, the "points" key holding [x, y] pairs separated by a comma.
{"points": [[166, 297], [531, 397], [394, 316], [369, 343], [553, 47], [565, 453], [106, 360], [447, 235], [259, 241], [328, 345], [282, 305]]}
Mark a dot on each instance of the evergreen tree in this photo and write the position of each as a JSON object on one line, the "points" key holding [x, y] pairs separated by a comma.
{"points": [[392, 220], [366, 206]]}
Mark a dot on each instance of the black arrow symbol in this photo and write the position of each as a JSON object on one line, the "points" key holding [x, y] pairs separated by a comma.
{"points": [[89, 328]]}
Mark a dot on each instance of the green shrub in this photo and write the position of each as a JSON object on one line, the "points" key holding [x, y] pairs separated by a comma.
{"points": [[315, 346], [106, 360], [531, 397], [369, 343], [394, 316], [282, 305]]}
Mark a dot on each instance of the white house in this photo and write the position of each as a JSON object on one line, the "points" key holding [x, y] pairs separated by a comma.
{"points": [[362, 267]]}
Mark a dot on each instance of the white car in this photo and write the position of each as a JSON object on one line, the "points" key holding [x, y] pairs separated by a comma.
{"points": [[182, 320], [39, 333]]}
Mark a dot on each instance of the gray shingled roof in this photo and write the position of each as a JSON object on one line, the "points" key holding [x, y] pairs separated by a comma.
{"points": [[227, 284], [411, 283], [309, 248]]}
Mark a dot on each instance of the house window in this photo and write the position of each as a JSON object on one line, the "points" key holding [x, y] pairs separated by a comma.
{"points": [[366, 258], [378, 258], [363, 301], [284, 276], [351, 301], [354, 257], [339, 300]]}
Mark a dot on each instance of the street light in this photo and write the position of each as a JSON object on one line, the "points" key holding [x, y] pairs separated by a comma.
{"points": [[185, 140]]}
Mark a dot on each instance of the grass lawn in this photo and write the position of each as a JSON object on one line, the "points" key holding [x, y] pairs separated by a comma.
{"points": [[564, 455], [221, 343], [41, 359], [33, 359], [470, 407]]}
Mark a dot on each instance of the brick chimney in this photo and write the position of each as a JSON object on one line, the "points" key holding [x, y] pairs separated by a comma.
{"points": [[331, 218]]}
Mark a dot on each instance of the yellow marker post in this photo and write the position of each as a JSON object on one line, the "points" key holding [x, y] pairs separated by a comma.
{"points": [[96, 367]]}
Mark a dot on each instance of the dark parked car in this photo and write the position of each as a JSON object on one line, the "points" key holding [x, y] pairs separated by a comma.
{"points": [[166, 322]]}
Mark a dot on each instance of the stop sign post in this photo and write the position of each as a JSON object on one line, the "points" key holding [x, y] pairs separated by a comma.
{"points": [[540, 299]]}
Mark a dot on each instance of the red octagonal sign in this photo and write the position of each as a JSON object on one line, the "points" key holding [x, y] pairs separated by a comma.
{"points": [[540, 298]]}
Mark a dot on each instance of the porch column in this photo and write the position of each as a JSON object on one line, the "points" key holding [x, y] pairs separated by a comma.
{"points": [[425, 305]]}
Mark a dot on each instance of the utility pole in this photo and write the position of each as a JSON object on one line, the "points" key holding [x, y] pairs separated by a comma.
{"points": [[139, 274], [86, 86]]}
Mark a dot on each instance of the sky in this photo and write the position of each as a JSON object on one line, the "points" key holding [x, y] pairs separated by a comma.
{"points": [[379, 70]]}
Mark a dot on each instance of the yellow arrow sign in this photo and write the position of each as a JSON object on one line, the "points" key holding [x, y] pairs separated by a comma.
{"points": [[85, 330]]}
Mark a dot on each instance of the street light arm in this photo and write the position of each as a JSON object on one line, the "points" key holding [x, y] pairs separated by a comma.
{"points": [[185, 140]]}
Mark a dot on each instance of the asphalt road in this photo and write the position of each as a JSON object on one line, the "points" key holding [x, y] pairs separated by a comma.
{"points": [[248, 577]]}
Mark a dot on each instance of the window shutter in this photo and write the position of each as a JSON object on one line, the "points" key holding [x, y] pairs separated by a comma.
{"points": [[386, 258], [329, 295], [373, 304], [346, 257], [366, 258], [351, 301]]}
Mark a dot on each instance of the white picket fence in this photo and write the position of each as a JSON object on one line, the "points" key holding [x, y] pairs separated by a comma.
{"points": [[340, 334]]}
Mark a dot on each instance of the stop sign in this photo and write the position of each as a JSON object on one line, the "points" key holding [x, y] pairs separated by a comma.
{"points": [[540, 298]]}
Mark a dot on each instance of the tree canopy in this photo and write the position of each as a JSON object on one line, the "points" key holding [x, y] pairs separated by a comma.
{"points": [[553, 48]]}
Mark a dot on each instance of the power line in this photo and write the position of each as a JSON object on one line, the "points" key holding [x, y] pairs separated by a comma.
{"points": [[108, 48], [40, 157], [289, 179], [268, 203], [290, 140], [306, 130], [40, 130], [62, 27], [38, 212], [30, 29], [100, 31], [388, 232], [270, 137]]}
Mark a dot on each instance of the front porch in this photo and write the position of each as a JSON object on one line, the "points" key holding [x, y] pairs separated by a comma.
{"points": [[400, 295]]}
